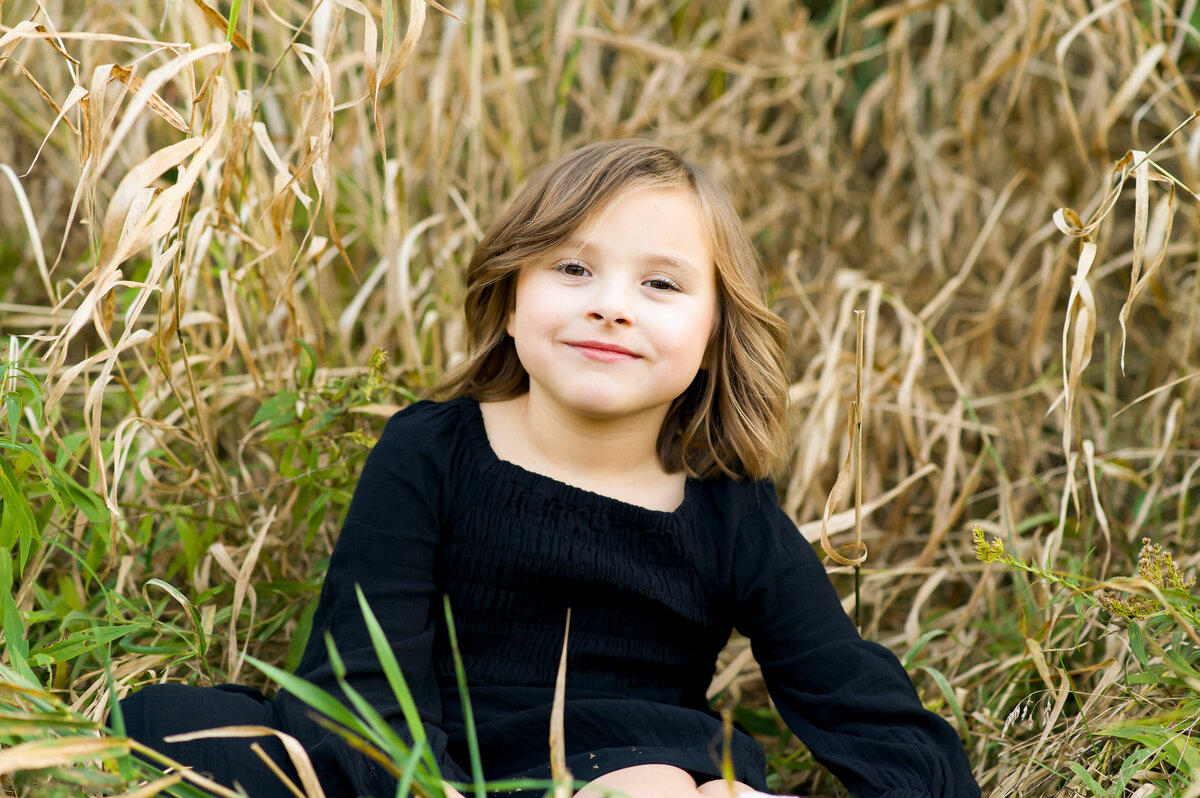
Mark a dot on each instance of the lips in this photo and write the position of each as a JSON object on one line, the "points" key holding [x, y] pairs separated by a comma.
{"points": [[600, 350]]}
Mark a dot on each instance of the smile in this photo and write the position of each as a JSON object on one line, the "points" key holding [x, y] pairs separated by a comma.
{"points": [[598, 350]]}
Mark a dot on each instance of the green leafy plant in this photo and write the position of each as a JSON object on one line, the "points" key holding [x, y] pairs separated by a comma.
{"points": [[1157, 618]]}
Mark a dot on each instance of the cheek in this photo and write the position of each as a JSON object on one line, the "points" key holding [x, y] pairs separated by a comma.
{"points": [[532, 314], [689, 346], [542, 308]]}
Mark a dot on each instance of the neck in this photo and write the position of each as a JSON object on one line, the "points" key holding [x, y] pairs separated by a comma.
{"points": [[568, 442], [617, 458]]}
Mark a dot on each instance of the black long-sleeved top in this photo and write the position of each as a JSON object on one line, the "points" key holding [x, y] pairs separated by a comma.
{"points": [[653, 595]]}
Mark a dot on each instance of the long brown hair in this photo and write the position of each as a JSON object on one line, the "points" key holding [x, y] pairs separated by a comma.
{"points": [[732, 418]]}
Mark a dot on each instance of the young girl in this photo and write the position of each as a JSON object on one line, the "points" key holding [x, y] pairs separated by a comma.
{"points": [[603, 448]]}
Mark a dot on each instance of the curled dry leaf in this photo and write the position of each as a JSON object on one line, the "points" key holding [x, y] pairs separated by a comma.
{"points": [[28, 29], [1164, 217], [284, 173], [299, 757], [1141, 224], [370, 63], [114, 244], [235, 160], [240, 589], [393, 65], [841, 487], [153, 81], [1068, 221], [840, 522], [1078, 333], [154, 100]]}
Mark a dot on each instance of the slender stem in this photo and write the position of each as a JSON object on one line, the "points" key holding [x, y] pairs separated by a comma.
{"points": [[860, 319]]}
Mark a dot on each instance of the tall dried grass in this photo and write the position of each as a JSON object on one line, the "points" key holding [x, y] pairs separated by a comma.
{"points": [[207, 228]]}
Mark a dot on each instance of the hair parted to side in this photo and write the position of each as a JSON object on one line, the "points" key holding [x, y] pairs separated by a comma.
{"points": [[732, 418]]}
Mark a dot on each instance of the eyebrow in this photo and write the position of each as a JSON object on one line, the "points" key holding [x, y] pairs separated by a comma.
{"points": [[651, 259]]}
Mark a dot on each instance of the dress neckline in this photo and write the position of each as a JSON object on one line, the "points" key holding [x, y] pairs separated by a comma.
{"points": [[616, 509]]}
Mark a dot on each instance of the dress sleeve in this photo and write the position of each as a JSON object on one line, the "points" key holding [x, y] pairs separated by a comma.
{"points": [[850, 701], [388, 546]]}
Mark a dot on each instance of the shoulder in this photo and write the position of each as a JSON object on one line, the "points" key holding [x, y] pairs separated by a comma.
{"points": [[743, 502], [427, 432], [737, 513], [745, 518], [427, 421], [421, 447], [761, 533]]}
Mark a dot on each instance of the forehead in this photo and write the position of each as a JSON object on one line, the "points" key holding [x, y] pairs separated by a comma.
{"points": [[663, 224], [670, 198]]}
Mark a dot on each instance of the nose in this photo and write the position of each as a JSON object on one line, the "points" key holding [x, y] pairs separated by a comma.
{"points": [[612, 303]]}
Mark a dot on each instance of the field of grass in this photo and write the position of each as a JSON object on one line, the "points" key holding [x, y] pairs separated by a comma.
{"points": [[232, 239]]}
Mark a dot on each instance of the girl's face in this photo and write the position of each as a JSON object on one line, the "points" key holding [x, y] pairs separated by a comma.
{"points": [[615, 323]]}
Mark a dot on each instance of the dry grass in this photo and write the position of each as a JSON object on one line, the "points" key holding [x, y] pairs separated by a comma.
{"points": [[193, 224]]}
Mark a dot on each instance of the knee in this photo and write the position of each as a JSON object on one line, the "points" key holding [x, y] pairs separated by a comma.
{"points": [[642, 781], [723, 789]]}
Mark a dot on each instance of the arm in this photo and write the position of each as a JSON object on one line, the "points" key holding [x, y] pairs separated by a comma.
{"points": [[848, 700], [388, 546]]}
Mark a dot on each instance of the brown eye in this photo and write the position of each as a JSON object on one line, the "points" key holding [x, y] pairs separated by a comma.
{"points": [[661, 284], [572, 268]]}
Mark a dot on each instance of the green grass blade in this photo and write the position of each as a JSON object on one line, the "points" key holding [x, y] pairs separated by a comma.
{"points": [[234, 12], [916, 649], [14, 502], [460, 675], [312, 695], [951, 699], [391, 669], [15, 642], [382, 735], [408, 770], [1081, 772]]}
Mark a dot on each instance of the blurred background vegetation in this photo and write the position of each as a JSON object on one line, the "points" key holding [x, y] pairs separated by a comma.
{"points": [[232, 239]]}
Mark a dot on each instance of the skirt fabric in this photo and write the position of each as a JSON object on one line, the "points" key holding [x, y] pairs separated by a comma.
{"points": [[160, 710]]}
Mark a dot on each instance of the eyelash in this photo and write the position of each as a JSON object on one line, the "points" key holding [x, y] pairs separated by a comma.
{"points": [[567, 264], [670, 285]]}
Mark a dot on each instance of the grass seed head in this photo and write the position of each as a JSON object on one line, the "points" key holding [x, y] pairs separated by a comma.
{"points": [[985, 550]]}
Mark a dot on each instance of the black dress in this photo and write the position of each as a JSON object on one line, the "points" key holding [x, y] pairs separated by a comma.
{"points": [[653, 598]]}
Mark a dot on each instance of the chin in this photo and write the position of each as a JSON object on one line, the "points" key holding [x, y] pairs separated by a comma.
{"points": [[598, 405], [602, 401], [598, 410]]}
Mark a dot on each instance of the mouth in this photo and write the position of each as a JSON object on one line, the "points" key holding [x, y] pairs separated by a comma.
{"points": [[599, 350]]}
